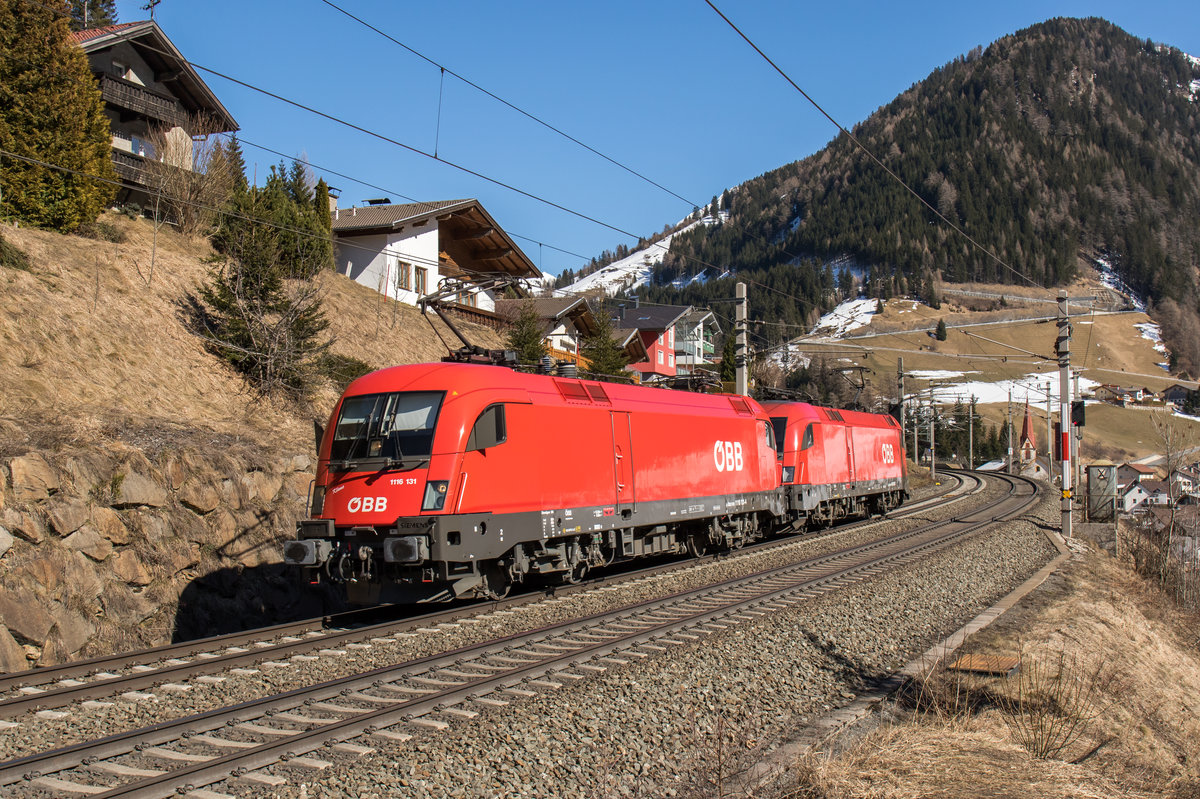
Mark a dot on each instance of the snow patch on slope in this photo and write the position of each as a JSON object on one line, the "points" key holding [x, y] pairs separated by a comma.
{"points": [[848, 316], [631, 272]]}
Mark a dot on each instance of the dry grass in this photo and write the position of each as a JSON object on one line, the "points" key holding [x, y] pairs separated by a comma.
{"points": [[1142, 740], [88, 338], [953, 760]]}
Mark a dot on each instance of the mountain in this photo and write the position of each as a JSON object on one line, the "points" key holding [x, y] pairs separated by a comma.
{"points": [[1065, 142]]}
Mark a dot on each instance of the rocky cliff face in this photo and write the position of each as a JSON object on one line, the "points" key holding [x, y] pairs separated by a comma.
{"points": [[108, 547]]}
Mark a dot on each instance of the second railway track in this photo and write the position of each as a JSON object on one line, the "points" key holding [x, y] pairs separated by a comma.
{"points": [[205, 748], [100, 678]]}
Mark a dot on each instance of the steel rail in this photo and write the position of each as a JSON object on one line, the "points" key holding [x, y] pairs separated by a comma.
{"points": [[201, 657], [301, 741]]}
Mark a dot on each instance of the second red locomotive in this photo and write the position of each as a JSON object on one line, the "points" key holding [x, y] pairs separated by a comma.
{"points": [[445, 480]]}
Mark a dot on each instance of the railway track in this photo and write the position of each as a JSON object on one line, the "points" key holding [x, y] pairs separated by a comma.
{"points": [[99, 678], [184, 755]]}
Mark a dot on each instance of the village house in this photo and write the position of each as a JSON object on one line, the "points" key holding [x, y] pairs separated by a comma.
{"points": [[657, 327], [694, 335], [1176, 394], [566, 322], [411, 250], [1118, 395], [1183, 481], [1133, 473], [152, 97]]}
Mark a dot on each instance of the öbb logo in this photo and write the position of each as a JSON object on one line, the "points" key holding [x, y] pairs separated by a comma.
{"points": [[889, 454], [367, 504], [727, 455]]}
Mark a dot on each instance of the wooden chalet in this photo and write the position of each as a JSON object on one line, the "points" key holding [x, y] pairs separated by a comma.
{"points": [[151, 94], [408, 251]]}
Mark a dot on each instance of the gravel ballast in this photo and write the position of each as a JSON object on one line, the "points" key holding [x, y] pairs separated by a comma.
{"points": [[116, 714], [652, 727]]}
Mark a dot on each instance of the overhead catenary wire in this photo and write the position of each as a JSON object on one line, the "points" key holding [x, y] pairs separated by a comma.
{"points": [[447, 71], [867, 152], [386, 190], [212, 209]]}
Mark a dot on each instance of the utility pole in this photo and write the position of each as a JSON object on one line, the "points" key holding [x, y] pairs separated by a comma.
{"points": [[1049, 438], [932, 448], [1008, 465], [1063, 346], [903, 417], [743, 384], [971, 434], [1077, 437], [916, 428]]}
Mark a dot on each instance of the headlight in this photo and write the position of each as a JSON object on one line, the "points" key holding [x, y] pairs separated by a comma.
{"points": [[435, 495], [318, 501], [406, 549], [306, 553]]}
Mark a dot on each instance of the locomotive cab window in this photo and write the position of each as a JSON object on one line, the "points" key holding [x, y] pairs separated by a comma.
{"points": [[489, 429], [390, 427], [808, 437], [780, 425]]}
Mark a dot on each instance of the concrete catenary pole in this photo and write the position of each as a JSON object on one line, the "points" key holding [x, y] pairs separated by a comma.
{"points": [[932, 447], [1064, 409], [903, 416], [743, 383], [1049, 436], [971, 434]]}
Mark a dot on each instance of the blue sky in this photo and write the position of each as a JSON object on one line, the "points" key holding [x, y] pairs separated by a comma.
{"points": [[663, 86]]}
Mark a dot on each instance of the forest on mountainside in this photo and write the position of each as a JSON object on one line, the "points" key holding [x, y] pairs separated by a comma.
{"points": [[1068, 139]]}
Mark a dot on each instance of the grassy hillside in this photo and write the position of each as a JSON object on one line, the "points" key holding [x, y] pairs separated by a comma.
{"points": [[95, 341], [1109, 347]]}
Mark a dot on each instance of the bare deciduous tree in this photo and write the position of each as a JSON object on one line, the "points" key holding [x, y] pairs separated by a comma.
{"points": [[191, 175]]}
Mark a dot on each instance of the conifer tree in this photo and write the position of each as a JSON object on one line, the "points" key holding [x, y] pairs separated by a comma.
{"points": [[264, 305], [729, 359], [321, 204], [92, 14], [51, 112], [940, 333], [526, 337], [603, 354]]}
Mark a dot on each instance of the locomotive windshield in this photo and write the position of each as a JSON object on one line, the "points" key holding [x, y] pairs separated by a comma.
{"points": [[385, 429]]}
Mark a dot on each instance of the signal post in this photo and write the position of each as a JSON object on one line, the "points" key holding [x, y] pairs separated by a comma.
{"points": [[1064, 409]]}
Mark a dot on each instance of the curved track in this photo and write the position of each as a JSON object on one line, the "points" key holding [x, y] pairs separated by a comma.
{"points": [[180, 755], [58, 686]]}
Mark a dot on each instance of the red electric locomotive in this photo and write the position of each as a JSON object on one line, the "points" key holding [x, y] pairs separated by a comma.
{"points": [[443, 480], [834, 463]]}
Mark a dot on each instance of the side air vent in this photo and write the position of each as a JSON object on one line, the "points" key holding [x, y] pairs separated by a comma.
{"points": [[741, 406], [572, 390]]}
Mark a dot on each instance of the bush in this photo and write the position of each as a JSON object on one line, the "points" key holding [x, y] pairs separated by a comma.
{"points": [[101, 231], [13, 258], [342, 370]]}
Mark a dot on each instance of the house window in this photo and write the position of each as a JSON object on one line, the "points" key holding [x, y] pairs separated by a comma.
{"points": [[403, 276], [660, 357], [671, 360], [421, 279], [120, 68]]}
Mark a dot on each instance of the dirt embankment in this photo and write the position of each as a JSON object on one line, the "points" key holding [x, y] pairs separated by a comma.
{"points": [[144, 489], [1107, 704]]}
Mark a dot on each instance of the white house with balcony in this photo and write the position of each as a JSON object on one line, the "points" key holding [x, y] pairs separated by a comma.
{"points": [[409, 250]]}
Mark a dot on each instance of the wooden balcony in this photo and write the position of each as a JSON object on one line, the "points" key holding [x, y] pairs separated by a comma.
{"points": [[130, 167], [129, 96]]}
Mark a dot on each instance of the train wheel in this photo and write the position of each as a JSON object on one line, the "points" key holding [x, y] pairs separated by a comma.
{"points": [[576, 574], [496, 582]]}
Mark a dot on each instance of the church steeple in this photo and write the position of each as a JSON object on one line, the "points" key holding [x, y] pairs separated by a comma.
{"points": [[1028, 442]]}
